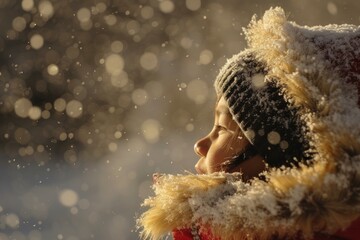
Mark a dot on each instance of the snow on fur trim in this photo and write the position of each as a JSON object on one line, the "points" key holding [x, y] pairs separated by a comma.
{"points": [[170, 208], [291, 203], [314, 66]]}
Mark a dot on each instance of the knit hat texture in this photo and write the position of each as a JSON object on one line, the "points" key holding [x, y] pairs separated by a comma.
{"points": [[256, 103]]}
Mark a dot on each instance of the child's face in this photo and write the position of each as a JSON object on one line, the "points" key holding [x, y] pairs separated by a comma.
{"points": [[224, 142]]}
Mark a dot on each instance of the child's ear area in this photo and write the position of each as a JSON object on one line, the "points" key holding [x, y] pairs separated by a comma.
{"points": [[252, 168]]}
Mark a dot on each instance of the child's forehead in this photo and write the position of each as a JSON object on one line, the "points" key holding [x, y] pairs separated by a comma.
{"points": [[222, 107]]}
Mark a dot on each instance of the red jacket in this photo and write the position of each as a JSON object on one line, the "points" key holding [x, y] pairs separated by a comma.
{"points": [[351, 233]]}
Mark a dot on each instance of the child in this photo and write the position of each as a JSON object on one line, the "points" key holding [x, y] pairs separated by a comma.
{"points": [[283, 158]]}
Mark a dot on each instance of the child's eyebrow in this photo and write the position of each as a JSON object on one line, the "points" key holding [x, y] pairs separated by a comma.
{"points": [[222, 110]]}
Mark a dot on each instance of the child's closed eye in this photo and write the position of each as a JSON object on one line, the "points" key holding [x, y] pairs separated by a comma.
{"points": [[219, 127]]}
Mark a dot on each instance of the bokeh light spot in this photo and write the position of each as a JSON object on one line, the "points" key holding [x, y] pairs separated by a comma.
{"points": [[101, 7], [284, 144], [167, 6], [40, 148], [74, 109], [193, 5], [186, 42], [139, 96], [86, 26], [148, 61], [206, 56], [198, 91], [112, 147], [258, 81], [45, 114], [114, 64], [332, 8], [22, 136], [60, 104], [22, 107], [117, 134], [151, 130], [117, 46], [147, 12], [36, 41], [46, 9], [35, 113], [189, 127], [63, 136], [12, 220], [68, 197], [120, 80], [110, 20], [53, 69], [83, 15], [29, 150], [19, 24], [27, 5], [274, 137]]}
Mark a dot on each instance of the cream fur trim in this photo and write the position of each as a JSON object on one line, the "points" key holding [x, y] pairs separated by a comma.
{"points": [[172, 209]]}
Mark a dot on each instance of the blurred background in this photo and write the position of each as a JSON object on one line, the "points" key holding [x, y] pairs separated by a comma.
{"points": [[97, 95]]}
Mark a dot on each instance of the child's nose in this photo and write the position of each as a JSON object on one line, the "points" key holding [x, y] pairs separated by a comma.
{"points": [[201, 147]]}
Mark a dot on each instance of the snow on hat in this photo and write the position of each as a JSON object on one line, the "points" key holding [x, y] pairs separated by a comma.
{"points": [[275, 88], [270, 123]]}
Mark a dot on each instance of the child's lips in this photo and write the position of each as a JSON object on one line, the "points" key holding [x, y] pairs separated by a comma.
{"points": [[198, 170]]}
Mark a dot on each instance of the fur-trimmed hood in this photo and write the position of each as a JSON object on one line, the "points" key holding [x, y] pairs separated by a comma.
{"points": [[316, 67]]}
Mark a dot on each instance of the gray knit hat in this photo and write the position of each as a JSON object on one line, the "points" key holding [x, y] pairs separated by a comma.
{"points": [[270, 123]]}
